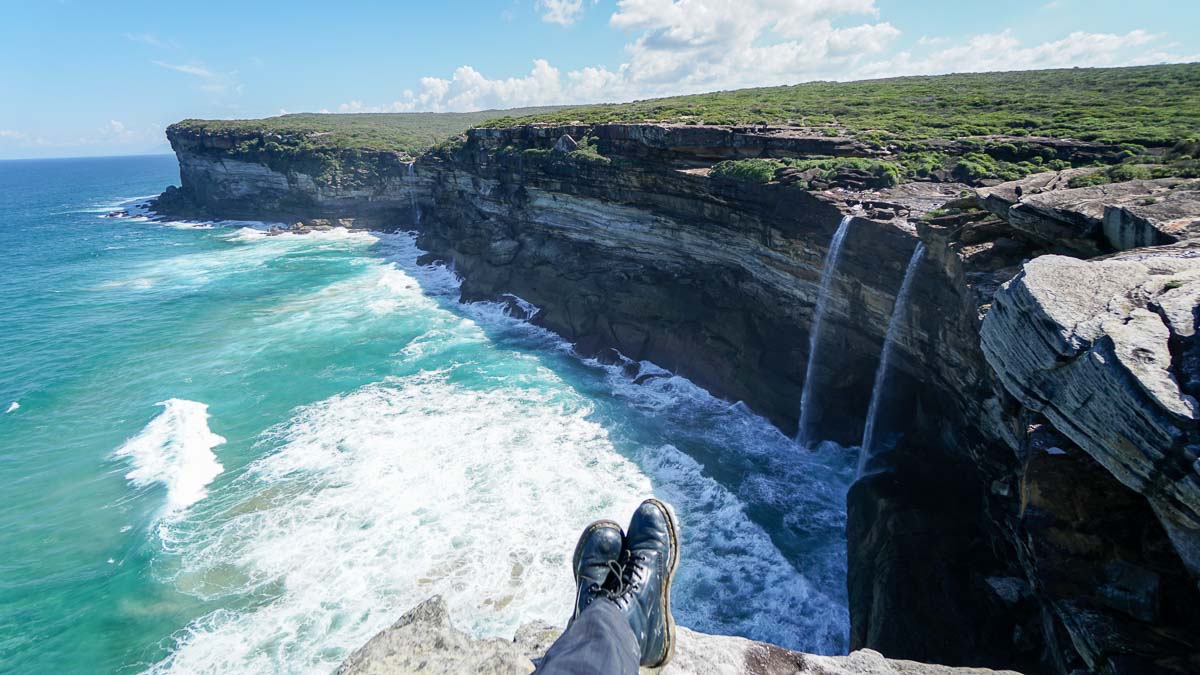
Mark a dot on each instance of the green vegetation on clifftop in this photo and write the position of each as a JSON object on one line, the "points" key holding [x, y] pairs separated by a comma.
{"points": [[967, 127], [1146, 105], [408, 133]]}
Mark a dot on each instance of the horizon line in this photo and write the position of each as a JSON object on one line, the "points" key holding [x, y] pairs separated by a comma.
{"points": [[58, 158]]}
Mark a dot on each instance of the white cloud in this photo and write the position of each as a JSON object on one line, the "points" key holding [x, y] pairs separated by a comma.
{"points": [[690, 46], [1003, 51], [468, 89], [187, 69], [12, 137], [868, 38], [678, 46], [151, 40], [117, 132], [562, 12], [684, 46], [210, 81]]}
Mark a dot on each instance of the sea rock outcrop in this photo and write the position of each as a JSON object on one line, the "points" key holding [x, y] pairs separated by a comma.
{"points": [[375, 188], [425, 640], [1044, 536]]}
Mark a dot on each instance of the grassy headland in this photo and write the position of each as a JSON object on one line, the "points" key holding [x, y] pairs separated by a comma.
{"points": [[408, 133], [1146, 105], [966, 127]]}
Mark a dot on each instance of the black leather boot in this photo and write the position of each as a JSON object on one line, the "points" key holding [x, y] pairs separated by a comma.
{"points": [[648, 562], [596, 556]]}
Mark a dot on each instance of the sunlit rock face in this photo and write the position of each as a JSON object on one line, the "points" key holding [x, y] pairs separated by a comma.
{"points": [[715, 280], [1097, 219], [376, 188], [1106, 350]]}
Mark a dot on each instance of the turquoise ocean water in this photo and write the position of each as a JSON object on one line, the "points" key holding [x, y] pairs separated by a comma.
{"points": [[227, 452]]}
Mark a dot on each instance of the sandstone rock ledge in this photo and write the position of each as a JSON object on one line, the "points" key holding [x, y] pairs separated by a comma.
{"points": [[1106, 350], [424, 640]]}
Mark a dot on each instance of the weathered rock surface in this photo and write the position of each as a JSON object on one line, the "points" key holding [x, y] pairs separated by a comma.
{"points": [[1098, 219], [424, 640], [678, 143], [375, 188], [1089, 345], [1106, 572], [713, 280]]}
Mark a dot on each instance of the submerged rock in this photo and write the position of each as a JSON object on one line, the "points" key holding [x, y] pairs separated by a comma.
{"points": [[425, 640]]}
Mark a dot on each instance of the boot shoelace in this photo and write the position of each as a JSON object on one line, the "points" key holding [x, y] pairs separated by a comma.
{"points": [[630, 573]]}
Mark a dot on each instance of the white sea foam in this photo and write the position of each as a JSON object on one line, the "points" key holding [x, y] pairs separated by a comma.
{"points": [[247, 234], [175, 451], [185, 224], [378, 499], [473, 484], [136, 283], [249, 249], [418, 486], [12, 407]]}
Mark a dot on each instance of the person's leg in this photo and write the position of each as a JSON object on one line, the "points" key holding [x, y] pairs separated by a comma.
{"points": [[599, 641], [622, 613]]}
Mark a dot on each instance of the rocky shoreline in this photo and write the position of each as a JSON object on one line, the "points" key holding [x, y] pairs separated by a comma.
{"points": [[1040, 509]]}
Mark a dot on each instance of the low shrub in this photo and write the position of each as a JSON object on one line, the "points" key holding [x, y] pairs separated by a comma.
{"points": [[747, 170]]}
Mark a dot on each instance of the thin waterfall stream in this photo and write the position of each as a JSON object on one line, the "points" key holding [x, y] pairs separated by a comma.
{"points": [[411, 179], [814, 337], [899, 312]]}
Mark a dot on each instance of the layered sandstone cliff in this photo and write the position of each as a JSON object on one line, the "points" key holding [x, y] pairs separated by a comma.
{"points": [[1036, 503]]}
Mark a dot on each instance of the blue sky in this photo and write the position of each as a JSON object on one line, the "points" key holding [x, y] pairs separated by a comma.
{"points": [[80, 78]]}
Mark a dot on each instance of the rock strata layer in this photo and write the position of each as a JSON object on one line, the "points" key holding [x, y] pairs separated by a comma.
{"points": [[1093, 220], [1088, 344]]}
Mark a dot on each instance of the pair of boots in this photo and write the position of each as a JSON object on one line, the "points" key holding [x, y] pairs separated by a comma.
{"points": [[633, 570]]}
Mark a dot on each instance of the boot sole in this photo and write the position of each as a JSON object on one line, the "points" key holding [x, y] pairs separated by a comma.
{"points": [[669, 577], [587, 531]]}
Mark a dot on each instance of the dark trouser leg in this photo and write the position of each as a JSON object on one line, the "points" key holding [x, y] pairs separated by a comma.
{"points": [[599, 642]]}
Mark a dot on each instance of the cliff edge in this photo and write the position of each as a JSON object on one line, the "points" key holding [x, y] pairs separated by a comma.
{"points": [[425, 640]]}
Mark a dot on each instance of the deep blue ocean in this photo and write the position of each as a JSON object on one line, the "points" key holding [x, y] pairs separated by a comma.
{"points": [[228, 452]]}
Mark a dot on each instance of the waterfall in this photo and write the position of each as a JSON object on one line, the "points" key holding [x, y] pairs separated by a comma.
{"points": [[814, 335], [899, 312], [411, 178]]}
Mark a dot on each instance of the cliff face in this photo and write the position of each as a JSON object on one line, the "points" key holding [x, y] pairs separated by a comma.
{"points": [[1037, 505], [715, 280], [220, 174]]}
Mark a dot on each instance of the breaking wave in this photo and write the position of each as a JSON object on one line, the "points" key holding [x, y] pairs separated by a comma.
{"points": [[469, 471], [175, 451]]}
